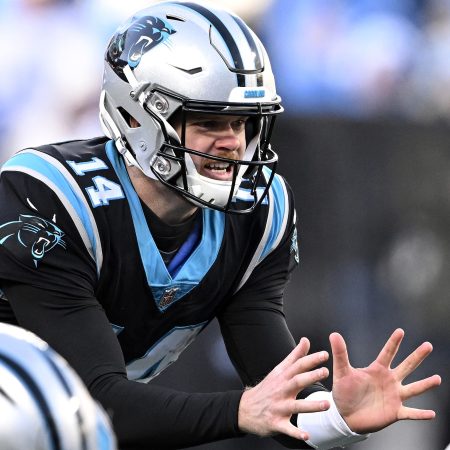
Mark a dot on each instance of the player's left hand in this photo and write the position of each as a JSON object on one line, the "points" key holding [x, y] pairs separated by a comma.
{"points": [[371, 398]]}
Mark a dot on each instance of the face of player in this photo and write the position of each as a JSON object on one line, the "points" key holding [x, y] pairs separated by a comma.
{"points": [[215, 135]]}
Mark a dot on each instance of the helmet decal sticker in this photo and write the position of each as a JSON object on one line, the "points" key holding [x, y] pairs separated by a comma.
{"points": [[129, 45], [35, 234]]}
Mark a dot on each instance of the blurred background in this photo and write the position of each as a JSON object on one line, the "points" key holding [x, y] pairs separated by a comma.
{"points": [[364, 142]]}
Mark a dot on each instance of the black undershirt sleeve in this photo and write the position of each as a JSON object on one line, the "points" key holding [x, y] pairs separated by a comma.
{"points": [[254, 326], [254, 320], [144, 415]]}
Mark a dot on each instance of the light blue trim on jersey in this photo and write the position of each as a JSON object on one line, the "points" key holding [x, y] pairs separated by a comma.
{"points": [[117, 329], [246, 195], [163, 352], [54, 175], [167, 289], [276, 223], [278, 196]]}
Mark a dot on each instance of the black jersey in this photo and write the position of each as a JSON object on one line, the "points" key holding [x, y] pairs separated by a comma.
{"points": [[80, 267]]}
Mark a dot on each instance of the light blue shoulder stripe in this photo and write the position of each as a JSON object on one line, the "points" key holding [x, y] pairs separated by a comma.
{"points": [[280, 213], [194, 268], [277, 215], [54, 175]]}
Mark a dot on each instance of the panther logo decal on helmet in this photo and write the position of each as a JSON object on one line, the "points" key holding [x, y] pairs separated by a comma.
{"points": [[129, 46]]}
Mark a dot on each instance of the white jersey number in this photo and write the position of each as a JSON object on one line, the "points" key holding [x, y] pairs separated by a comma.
{"points": [[103, 190]]}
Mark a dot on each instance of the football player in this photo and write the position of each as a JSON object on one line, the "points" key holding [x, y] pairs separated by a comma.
{"points": [[43, 403], [119, 250]]}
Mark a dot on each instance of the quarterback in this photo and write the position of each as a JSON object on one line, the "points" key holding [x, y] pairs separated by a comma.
{"points": [[119, 250]]}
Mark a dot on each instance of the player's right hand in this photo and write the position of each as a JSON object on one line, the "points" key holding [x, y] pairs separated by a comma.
{"points": [[266, 408]]}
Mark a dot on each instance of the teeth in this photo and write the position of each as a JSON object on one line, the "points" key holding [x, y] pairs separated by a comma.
{"points": [[218, 166]]}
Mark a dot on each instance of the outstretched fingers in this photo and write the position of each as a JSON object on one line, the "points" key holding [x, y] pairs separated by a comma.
{"points": [[419, 387], [267, 407], [409, 364], [390, 349], [306, 363], [309, 406], [300, 350], [341, 363], [302, 380], [406, 413], [291, 430], [298, 361], [302, 406]]}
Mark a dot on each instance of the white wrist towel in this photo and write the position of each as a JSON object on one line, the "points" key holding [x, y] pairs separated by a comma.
{"points": [[327, 429]]}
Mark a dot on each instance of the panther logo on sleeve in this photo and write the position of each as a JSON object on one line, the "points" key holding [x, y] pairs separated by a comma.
{"points": [[35, 234]]}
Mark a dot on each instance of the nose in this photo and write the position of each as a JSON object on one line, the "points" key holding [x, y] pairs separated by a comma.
{"points": [[228, 139]]}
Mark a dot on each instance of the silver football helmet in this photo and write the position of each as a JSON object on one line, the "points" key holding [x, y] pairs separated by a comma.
{"points": [[44, 404], [183, 57]]}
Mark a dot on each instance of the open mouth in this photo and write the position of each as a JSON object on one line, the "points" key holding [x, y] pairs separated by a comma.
{"points": [[218, 170]]}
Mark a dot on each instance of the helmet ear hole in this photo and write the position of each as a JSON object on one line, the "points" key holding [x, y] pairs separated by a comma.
{"points": [[134, 123], [176, 121], [128, 118]]}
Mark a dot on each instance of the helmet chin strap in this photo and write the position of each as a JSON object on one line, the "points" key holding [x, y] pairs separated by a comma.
{"points": [[207, 189]]}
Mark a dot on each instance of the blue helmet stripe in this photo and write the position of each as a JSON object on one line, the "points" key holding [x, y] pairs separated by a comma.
{"points": [[226, 36], [259, 63]]}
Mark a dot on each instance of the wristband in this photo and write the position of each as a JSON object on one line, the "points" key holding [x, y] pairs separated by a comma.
{"points": [[327, 429]]}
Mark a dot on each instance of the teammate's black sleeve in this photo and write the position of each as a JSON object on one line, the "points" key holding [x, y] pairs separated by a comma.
{"points": [[254, 326], [144, 415]]}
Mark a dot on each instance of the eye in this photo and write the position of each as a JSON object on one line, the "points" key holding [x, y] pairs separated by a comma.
{"points": [[207, 124], [239, 124]]}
